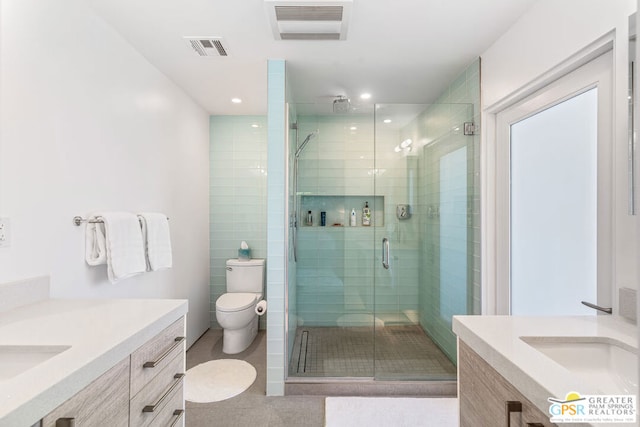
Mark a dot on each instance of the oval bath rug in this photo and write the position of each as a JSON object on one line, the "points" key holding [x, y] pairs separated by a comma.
{"points": [[218, 380]]}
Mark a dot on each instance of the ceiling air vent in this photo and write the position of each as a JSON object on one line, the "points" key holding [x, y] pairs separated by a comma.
{"points": [[308, 19], [207, 46], [309, 13]]}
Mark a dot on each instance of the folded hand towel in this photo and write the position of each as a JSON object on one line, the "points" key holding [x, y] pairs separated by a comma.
{"points": [[95, 246], [125, 248], [155, 229]]}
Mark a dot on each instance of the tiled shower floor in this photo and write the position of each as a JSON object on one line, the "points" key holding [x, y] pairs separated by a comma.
{"points": [[401, 353]]}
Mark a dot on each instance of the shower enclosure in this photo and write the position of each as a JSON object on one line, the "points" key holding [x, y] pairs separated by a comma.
{"points": [[375, 301]]}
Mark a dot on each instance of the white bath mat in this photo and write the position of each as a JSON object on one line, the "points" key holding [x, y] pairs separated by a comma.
{"points": [[391, 411], [218, 380]]}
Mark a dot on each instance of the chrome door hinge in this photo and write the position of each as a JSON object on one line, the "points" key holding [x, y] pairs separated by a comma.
{"points": [[470, 128]]}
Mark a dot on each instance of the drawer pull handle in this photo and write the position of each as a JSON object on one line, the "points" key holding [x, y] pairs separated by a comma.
{"points": [[178, 413], [154, 363], [512, 406], [66, 422], [151, 408]]}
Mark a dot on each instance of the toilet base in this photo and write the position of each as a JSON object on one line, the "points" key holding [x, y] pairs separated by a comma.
{"points": [[237, 340]]}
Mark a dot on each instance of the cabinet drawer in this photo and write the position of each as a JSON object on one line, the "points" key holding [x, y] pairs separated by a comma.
{"points": [[106, 398], [161, 349], [172, 414], [150, 401]]}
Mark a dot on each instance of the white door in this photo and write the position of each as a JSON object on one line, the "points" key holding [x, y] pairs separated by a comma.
{"points": [[554, 195]]}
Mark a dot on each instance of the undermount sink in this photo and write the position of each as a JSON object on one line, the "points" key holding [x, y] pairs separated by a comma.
{"points": [[610, 365], [16, 359]]}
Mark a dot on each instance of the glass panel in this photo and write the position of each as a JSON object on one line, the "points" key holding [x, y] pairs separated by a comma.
{"points": [[332, 175], [425, 174], [554, 209], [453, 226]]}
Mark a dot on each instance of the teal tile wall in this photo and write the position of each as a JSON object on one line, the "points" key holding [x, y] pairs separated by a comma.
{"points": [[238, 194], [277, 224], [335, 274]]}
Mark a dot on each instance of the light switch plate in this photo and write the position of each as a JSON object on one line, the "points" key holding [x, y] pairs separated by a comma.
{"points": [[5, 235]]}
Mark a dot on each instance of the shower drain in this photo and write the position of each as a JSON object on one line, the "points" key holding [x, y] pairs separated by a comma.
{"points": [[302, 354]]}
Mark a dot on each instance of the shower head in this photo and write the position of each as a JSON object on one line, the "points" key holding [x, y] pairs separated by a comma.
{"points": [[341, 105], [306, 141]]}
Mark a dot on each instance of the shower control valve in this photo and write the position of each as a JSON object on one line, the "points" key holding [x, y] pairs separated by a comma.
{"points": [[403, 211]]}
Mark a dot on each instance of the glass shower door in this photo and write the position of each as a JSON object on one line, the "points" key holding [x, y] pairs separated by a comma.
{"points": [[330, 296], [424, 186]]}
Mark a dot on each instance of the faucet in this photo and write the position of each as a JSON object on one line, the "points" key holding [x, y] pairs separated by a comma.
{"points": [[607, 310]]}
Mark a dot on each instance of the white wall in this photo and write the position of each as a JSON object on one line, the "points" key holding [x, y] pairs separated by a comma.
{"points": [[549, 33], [87, 124]]}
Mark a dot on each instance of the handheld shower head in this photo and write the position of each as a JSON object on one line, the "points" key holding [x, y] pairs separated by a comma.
{"points": [[306, 141]]}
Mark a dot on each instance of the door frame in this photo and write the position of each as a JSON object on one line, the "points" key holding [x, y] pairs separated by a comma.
{"points": [[495, 243]]}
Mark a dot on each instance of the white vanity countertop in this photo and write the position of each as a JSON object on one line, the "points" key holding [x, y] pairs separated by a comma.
{"points": [[100, 332], [497, 340]]}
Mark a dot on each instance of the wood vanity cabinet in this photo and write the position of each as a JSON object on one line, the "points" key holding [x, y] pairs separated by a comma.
{"points": [[484, 394], [106, 398], [144, 389]]}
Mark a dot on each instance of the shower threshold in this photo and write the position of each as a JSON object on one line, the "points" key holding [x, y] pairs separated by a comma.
{"points": [[368, 387]]}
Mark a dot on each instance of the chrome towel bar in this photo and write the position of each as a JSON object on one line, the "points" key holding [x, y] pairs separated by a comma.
{"points": [[78, 220]]}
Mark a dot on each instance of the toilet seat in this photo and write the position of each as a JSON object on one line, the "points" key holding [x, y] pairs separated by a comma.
{"points": [[235, 301]]}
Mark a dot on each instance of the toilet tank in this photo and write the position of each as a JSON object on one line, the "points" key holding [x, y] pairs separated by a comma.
{"points": [[245, 276]]}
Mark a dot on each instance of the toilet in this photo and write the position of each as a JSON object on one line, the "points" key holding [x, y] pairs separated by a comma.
{"points": [[235, 310]]}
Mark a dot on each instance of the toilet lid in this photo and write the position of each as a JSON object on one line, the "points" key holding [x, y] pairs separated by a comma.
{"points": [[235, 301]]}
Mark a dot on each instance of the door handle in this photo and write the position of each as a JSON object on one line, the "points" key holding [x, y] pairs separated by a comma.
{"points": [[607, 310], [385, 253], [176, 382], [154, 363]]}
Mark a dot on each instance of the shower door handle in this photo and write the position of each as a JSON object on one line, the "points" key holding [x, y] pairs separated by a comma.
{"points": [[385, 253]]}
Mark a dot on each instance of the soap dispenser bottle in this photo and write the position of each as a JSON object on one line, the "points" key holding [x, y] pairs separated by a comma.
{"points": [[309, 218], [366, 215], [352, 221]]}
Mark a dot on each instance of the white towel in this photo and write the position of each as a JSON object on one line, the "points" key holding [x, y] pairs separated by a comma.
{"points": [[125, 248], [155, 231], [95, 245]]}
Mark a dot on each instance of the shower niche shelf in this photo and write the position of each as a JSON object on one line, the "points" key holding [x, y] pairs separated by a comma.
{"points": [[338, 209]]}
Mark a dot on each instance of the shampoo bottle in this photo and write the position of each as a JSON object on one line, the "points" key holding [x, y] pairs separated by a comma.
{"points": [[366, 215], [352, 221], [309, 218]]}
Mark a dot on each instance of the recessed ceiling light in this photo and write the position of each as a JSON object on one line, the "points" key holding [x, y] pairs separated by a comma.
{"points": [[236, 100], [387, 120], [255, 125], [353, 128], [365, 96]]}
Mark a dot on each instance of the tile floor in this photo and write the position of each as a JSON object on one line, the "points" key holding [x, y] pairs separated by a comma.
{"points": [[251, 408], [326, 350], [401, 352]]}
